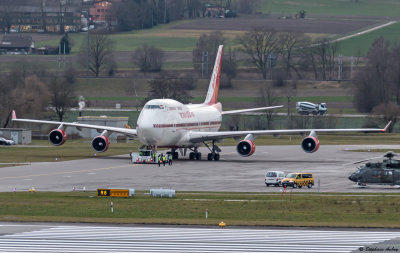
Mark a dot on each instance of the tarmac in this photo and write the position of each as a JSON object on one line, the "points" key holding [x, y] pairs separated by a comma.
{"points": [[232, 173]]}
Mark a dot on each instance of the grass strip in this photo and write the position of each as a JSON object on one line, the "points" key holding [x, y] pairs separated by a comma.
{"points": [[341, 210]]}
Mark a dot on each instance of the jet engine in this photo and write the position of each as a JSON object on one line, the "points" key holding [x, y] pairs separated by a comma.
{"points": [[100, 143], [57, 137], [246, 148], [310, 144]]}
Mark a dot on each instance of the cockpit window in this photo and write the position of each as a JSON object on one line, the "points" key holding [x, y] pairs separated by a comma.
{"points": [[154, 107]]}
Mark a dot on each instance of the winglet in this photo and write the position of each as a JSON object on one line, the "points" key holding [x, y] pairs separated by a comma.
{"points": [[14, 116], [387, 126]]}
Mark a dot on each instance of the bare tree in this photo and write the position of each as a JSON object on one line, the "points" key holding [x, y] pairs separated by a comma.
{"points": [[32, 97], [206, 50], [268, 97], [308, 61], [248, 7], [389, 112], [100, 54], [7, 103], [148, 58], [15, 87], [61, 14], [62, 95], [42, 5], [229, 66], [193, 8], [6, 14], [260, 44], [373, 83], [169, 87], [395, 71], [326, 52], [290, 41]]}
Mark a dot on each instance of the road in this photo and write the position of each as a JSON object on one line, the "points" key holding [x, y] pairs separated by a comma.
{"points": [[231, 173]]}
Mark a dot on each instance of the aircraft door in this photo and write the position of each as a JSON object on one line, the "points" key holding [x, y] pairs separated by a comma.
{"points": [[388, 177]]}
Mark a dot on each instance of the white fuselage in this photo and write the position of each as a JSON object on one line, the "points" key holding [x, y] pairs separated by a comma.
{"points": [[167, 123]]}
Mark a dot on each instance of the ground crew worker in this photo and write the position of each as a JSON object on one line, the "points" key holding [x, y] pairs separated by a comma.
{"points": [[154, 156], [159, 160], [169, 159], [163, 159]]}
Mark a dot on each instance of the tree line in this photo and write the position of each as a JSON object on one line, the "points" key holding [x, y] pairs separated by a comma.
{"points": [[29, 89], [377, 85]]}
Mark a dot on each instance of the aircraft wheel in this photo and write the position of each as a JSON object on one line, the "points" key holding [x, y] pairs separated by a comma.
{"points": [[191, 156], [266, 185], [209, 156], [309, 185], [175, 155], [294, 185], [198, 156], [216, 157]]}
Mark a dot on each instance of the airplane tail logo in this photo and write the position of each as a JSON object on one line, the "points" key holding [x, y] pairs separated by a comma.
{"points": [[213, 88]]}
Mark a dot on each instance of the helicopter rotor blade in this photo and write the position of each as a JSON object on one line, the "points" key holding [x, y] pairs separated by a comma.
{"points": [[360, 161]]}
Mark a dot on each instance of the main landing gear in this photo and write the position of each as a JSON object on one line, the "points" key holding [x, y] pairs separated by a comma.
{"points": [[174, 154], [195, 155], [215, 150]]}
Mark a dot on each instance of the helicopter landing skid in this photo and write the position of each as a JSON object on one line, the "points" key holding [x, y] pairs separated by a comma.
{"points": [[360, 185]]}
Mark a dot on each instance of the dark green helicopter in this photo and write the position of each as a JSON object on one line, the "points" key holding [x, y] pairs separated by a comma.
{"points": [[386, 172]]}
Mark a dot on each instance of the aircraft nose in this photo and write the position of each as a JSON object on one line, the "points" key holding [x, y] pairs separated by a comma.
{"points": [[352, 178], [148, 134]]}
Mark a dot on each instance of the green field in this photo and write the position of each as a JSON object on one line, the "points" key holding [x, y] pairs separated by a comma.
{"points": [[162, 36], [360, 45], [333, 210], [333, 7]]}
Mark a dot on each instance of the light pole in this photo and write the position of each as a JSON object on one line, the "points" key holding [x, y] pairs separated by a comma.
{"points": [[87, 51]]}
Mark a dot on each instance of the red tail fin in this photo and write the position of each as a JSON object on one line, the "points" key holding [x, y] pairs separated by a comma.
{"points": [[213, 88]]}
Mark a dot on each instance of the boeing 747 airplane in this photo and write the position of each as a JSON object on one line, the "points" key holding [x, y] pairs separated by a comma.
{"points": [[167, 123]]}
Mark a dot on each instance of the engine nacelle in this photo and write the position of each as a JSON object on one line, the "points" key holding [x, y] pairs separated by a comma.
{"points": [[310, 144], [100, 143], [57, 137], [246, 148]]}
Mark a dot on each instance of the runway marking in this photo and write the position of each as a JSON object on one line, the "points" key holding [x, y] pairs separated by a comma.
{"points": [[67, 172], [184, 239]]}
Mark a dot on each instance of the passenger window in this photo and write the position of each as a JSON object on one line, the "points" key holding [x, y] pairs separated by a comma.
{"points": [[298, 177]]}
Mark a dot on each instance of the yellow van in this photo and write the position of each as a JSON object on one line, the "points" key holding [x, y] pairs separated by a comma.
{"points": [[298, 180]]}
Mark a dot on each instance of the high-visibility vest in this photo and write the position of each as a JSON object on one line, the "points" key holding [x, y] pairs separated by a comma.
{"points": [[163, 158]]}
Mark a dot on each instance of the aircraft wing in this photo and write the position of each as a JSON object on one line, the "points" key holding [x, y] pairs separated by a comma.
{"points": [[250, 110], [121, 130], [197, 136]]}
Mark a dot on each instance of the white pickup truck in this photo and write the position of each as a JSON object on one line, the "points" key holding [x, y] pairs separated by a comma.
{"points": [[311, 108]]}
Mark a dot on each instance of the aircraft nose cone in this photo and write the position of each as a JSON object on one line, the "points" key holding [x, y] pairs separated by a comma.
{"points": [[148, 135], [352, 178]]}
